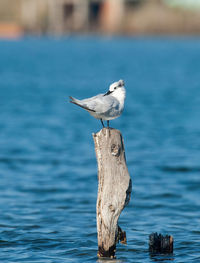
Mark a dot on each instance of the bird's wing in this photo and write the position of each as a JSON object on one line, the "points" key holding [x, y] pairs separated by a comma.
{"points": [[100, 103], [78, 102]]}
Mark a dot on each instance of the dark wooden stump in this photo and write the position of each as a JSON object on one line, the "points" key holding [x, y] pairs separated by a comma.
{"points": [[160, 244]]}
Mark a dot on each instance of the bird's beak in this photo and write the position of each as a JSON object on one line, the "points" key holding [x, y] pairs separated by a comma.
{"points": [[107, 93]]}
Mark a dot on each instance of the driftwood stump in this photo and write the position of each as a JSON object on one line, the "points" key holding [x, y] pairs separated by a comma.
{"points": [[160, 244], [114, 189]]}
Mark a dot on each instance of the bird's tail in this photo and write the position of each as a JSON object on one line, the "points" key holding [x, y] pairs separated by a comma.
{"points": [[77, 102], [73, 100]]}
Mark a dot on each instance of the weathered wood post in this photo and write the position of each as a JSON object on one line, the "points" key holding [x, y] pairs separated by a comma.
{"points": [[114, 189], [160, 244]]}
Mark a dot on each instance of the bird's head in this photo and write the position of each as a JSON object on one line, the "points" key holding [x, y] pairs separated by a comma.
{"points": [[116, 88]]}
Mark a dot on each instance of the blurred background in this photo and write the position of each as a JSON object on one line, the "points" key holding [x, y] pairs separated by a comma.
{"points": [[100, 16], [50, 50]]}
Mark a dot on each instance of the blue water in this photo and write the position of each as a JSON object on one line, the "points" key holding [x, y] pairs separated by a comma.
{"points": [[48, 171]]}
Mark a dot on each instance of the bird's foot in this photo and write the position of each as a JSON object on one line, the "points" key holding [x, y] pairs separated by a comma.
{"points": [[102, 123]]}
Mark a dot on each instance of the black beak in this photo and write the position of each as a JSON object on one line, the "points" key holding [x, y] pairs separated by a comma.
{"points": [[107, 93]]}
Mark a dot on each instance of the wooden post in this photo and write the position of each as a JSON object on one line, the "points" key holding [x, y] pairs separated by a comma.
{"points": [[114, 189], [160, 244]]}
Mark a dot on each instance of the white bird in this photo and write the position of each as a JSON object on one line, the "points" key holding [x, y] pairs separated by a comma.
{"points": [[106, 106]]}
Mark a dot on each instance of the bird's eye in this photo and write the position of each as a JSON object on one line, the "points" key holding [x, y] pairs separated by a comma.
{"points": [[115, 87]]}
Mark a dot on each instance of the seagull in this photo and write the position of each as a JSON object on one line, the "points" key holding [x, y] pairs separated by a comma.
{"points": [[106, 106]]}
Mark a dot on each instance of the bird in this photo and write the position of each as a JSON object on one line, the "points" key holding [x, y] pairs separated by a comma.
{"points": [[106, 106]]}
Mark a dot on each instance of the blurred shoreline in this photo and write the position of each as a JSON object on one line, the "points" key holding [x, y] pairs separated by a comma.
{"points": [[111, 17]]}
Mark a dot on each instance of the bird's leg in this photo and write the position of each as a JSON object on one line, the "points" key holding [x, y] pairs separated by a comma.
{"points": [[102, 123], [108, 124]]}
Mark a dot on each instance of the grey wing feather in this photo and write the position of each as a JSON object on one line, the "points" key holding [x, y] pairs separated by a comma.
{"points": [[78, 102], [100, 103]]}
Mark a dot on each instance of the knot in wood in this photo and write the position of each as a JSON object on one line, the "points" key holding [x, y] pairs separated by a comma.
{"points": [[115, 150], [112, 209]]}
